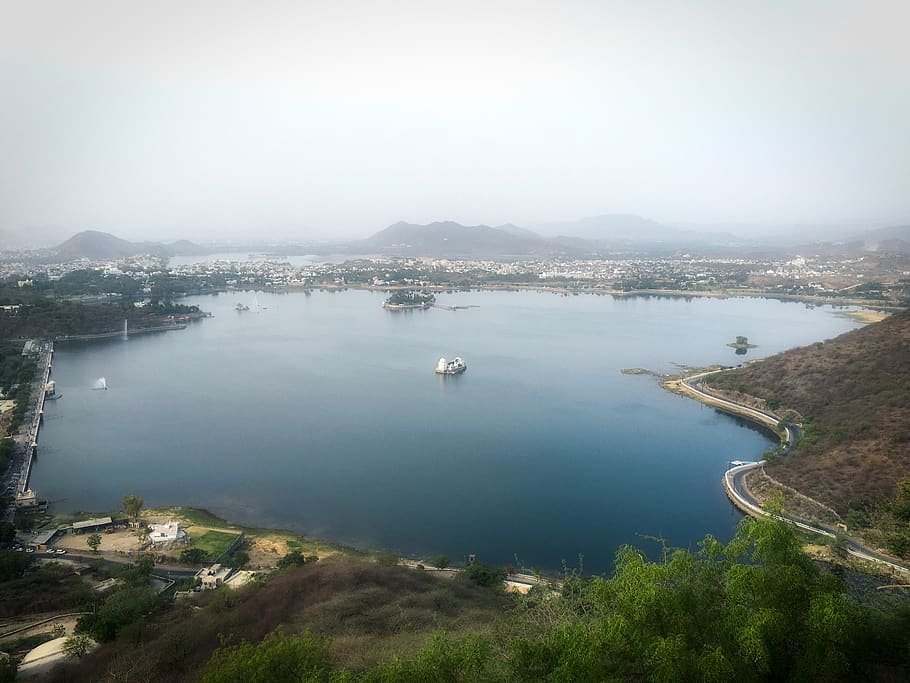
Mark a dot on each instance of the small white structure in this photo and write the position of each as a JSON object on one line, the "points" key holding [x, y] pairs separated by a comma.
{"points": [[452, 367], [240, 578], [26, 499], [212, 577], [166, 533]]}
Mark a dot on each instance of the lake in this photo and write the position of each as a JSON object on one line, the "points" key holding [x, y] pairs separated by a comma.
{"points": [[321, 413]]}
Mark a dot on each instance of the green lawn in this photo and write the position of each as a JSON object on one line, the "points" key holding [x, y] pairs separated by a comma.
{"points": [[214, 542]]}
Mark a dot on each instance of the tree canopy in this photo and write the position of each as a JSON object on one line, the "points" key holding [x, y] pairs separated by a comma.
{"points": [[132, 506], [755, 609]]}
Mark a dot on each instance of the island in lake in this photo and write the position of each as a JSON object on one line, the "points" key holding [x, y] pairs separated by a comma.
{"points": [[408, 299], [742, 345]]}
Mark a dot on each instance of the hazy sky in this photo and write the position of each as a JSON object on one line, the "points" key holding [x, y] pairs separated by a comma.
{"points": [[305, 119]]}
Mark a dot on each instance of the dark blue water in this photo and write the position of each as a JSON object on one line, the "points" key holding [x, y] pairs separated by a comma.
{"points": [[322, 413]]}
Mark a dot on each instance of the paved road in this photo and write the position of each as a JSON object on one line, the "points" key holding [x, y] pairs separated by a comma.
{"points": [[734, 478], [169, 571]]}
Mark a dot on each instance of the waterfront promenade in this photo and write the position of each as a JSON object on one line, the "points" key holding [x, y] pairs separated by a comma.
{"points": [[734, 478], [27, 439], [35, 414]]}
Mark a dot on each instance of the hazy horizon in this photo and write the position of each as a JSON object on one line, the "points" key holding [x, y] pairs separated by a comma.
{"points": [[300, 121]]}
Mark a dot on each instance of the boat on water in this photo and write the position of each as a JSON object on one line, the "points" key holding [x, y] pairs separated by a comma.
{"points": [[241, 307], [100, 384], [453, 367]]}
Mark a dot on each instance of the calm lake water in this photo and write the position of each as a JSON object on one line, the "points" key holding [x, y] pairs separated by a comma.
{"points": [[321, 413]]}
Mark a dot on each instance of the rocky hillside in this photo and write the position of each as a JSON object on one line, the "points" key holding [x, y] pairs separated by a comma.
{"points": [[853, 393]]}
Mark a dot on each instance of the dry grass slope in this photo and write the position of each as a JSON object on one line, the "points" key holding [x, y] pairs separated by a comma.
{"points": [[371, 612], [854, 392]]}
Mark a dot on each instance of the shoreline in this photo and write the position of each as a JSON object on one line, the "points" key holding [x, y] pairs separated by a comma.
{"points": [[258, 540], [114, 334], [874, 305], [119, 333], [766, 419]]}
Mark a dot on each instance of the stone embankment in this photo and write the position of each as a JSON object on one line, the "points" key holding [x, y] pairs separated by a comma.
{"points": [[733, 480]]}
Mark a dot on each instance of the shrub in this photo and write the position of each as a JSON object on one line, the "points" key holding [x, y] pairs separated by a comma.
{"points": [[484, 575], [194, 556], [293, 559], [276, 659]]}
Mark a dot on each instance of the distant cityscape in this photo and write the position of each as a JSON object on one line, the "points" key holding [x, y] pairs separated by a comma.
{"points": [[875, 280]]}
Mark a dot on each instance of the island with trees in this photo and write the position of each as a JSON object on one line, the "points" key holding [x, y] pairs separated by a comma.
{"points": [[405, 299], [742, 345]]}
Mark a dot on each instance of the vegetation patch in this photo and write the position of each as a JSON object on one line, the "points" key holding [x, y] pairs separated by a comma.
{"points": [[792, 502], [192, 516], [755, 609], [852, 395], [214, 543]]}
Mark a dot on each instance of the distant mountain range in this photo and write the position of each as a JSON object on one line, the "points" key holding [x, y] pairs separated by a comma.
{"points": [[892, 240], [449, 239], [605, 235], [102, 246], [596, 236], [632, 229], [585, 237]]}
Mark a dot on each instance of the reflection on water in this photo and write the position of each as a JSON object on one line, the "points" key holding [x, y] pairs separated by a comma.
{"points": [[323, 413]]}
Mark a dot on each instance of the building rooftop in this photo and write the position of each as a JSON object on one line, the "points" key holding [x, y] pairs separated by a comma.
{"points": [[44, 536], [88, 523]]}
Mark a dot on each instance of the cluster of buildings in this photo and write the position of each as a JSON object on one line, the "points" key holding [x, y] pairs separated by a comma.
{"points": [[159, 536], [684, 272]]}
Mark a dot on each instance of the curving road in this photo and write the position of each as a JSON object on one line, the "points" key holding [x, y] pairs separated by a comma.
{"points": [[734, 478]]}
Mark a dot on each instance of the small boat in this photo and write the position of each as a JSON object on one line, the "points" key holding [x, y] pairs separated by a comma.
{"points": [[452, 367], [53, 397], [100, 384], [241, 307]]}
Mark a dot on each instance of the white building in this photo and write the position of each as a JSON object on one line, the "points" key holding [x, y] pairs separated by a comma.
{"points": [[214, 576], [26, 499], [166, 533]]}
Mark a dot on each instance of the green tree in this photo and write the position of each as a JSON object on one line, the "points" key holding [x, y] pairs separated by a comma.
{"points": [[442, 561], [237, 559], [93, 542], [8, 668], [138, 574], [293, 559], [126, 607], [77, 645], [25, 520], [444, 659], [193, 556], [132, 506], [755, 609], [13, 565], [278, 658], [484, 575]]}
